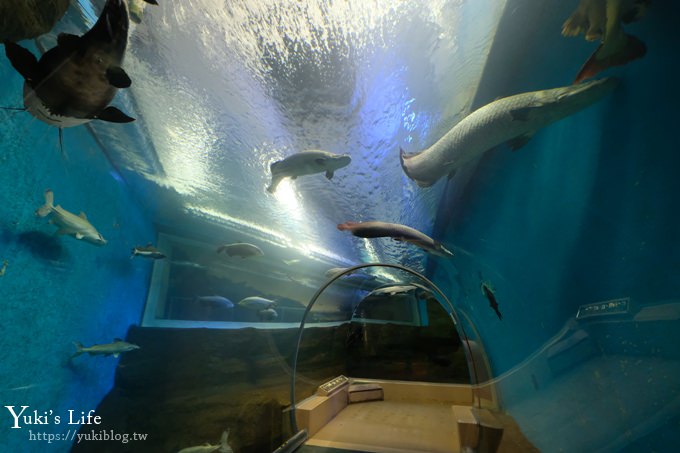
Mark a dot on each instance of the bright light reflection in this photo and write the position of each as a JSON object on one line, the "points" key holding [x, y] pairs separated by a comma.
{"points": [[265, 234]]}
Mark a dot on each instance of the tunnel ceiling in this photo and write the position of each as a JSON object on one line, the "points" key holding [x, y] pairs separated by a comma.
{"points": [[221, 89]]}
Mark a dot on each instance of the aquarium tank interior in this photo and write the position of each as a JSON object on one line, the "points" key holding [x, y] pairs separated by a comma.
{"points": [[323, 226]]}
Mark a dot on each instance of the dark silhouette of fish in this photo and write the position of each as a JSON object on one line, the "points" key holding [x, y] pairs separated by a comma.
{"points": [[74, 82], [491, 296]]}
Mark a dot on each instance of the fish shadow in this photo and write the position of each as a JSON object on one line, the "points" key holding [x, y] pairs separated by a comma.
{"points": [[42, 245]]}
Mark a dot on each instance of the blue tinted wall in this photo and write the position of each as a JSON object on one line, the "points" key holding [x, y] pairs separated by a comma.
{"points": [[587, 211], [57, 290]]}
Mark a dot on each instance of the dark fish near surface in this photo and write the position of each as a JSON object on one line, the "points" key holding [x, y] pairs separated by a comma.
{"points": [[147, 251], [397, 232], [74, 82], [491, 296], [513, 120], [242, 249]]}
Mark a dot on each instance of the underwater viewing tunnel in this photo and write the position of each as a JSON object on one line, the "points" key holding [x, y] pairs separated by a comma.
{"points": [[325, 226]]}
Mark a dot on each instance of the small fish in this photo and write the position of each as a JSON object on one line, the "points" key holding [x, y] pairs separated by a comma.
{"points": [[256, 303], [147, 251], [601, 20], [115, 349], [242, 249], [306, 163], [223, 447], [268, 314], [291, 262], [489, 293], [397, 232], [215, 301], [4, 267], [74, 225], [393, 290]]}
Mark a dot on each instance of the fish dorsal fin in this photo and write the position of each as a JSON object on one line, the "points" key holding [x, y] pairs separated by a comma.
{"points": [[68, 42], [23, 61], [517, 142], [148, 244], [113, 115], [117, 77], [82, 215]]}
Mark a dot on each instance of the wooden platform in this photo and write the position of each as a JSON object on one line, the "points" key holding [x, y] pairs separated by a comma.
{"points": [[391, 427]]}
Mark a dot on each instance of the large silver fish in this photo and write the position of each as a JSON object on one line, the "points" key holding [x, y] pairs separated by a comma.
{"points": [[514, 119], [115, 349], [74, 82], [397, 232], [306, 163], [74, 225]]}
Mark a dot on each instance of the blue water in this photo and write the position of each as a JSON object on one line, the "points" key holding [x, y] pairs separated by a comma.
{"points": [[58, 290], [586, 212]]}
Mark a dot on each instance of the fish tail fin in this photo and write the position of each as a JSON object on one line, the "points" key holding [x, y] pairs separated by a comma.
{"points": [[134, 252], [79, 349], [403, 159], [224, 445], [45, 209], [632, 49], [443, 250]]}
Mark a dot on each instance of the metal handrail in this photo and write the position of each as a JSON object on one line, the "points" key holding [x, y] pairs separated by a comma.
{"points": [[451, 311]]}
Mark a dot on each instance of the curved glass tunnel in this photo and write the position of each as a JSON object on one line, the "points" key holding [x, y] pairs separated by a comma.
{"points": [[564, 274]]}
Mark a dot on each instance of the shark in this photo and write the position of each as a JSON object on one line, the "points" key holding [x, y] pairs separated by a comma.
{"points": [[115, 349], [73, 225]]}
